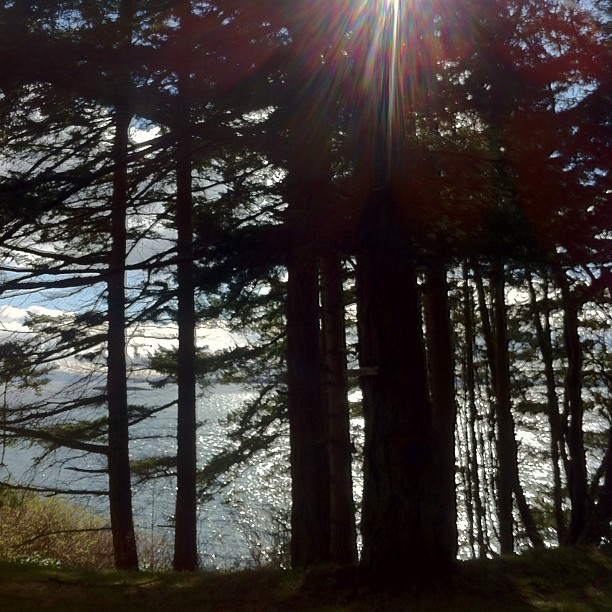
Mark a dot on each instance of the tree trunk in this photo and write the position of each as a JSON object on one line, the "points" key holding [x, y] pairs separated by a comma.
{"points": [[470, 384], [342, 510], [441, 371], [185, 531], [506, 443], [577, 475], [597, 525], [531, 529], [402, 515], [119, 478], [497, 352], [543, 335], [508, 481], [310, 490], [308, 187]]}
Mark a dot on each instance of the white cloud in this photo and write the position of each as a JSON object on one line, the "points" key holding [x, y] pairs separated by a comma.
{"points": [[149, 337], [12, 318], [143, 340]]}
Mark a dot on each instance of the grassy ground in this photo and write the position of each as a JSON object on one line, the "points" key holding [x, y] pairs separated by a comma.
{"points": [[550, 580]]}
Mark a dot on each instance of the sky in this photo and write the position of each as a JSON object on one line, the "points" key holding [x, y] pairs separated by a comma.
{"points": [[143, 341], [16, 306]]}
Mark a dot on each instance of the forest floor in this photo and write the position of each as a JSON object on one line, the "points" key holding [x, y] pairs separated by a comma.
{"points": [[547, 580]]}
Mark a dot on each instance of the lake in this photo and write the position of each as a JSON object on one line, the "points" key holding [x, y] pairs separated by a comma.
{"points": [[245, 523], [240, 526]]}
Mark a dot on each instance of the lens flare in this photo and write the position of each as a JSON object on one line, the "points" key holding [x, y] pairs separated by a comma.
{"points": [[373, 59], [396, 43]]}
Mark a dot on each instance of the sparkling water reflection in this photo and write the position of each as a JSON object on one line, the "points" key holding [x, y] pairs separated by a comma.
{"points": [[241, 525], [245, 523]]}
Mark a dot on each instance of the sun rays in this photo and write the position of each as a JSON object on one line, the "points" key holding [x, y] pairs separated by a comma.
{"points": [[372, 58], [392, 48]]}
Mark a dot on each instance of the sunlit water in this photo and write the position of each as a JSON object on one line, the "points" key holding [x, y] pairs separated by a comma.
{"points": [[242, 525], [245, 523]]}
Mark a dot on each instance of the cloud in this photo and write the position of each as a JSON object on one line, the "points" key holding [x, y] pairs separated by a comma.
{"points": [[12, 318], [143, 340], [147, 338]]}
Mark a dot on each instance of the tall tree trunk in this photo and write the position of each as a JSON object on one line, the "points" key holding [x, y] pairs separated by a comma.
{"points": [[469, 378], [401, 496], [506, 443], [497, 351], [343, 536], [309, 185], [543, 336], [508, 481], [577, 475], [441, 371], [310, 490], [597, 524], [119, 478], [185, 531], [531, 528]]}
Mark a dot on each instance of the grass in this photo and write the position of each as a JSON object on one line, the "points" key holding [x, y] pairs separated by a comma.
{"points": [[52, 531], [55, 532], [55, 556], [562, 580]]}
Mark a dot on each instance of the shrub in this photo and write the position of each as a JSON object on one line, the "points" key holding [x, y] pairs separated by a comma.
{"points": [[52, 531]]}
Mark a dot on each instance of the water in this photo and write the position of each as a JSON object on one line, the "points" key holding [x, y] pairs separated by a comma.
{"points": [[242, 525], [237, 525], [245, 523]]}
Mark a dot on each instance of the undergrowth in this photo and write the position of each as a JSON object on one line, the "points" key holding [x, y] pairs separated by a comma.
{"points": [[54, 532]]}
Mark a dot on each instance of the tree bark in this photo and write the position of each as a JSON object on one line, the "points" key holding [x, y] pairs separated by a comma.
{"points": [[543, 335], [597, 524], [506, 443], [402, 516], [308, 188], [577, 475], [441, 371], [310, 490], [343, 534], [119, 477], [497, 352], [470, 383], [508, 481], [185, 530]]}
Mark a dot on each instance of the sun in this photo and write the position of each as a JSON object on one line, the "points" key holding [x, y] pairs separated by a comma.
{"points": [[381, 29], [395, 52], [389, 5], [370, 58]]}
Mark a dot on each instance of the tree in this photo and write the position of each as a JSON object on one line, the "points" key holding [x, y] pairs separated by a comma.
{"points": [[541, 312], [289, 143], [84, 179], [343, 538], [307, 190], [441, 370], [405, 530], [185, 535], [120, 489]]}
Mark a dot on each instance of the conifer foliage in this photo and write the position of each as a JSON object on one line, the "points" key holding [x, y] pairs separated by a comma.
{"points": [[409, 199]]}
